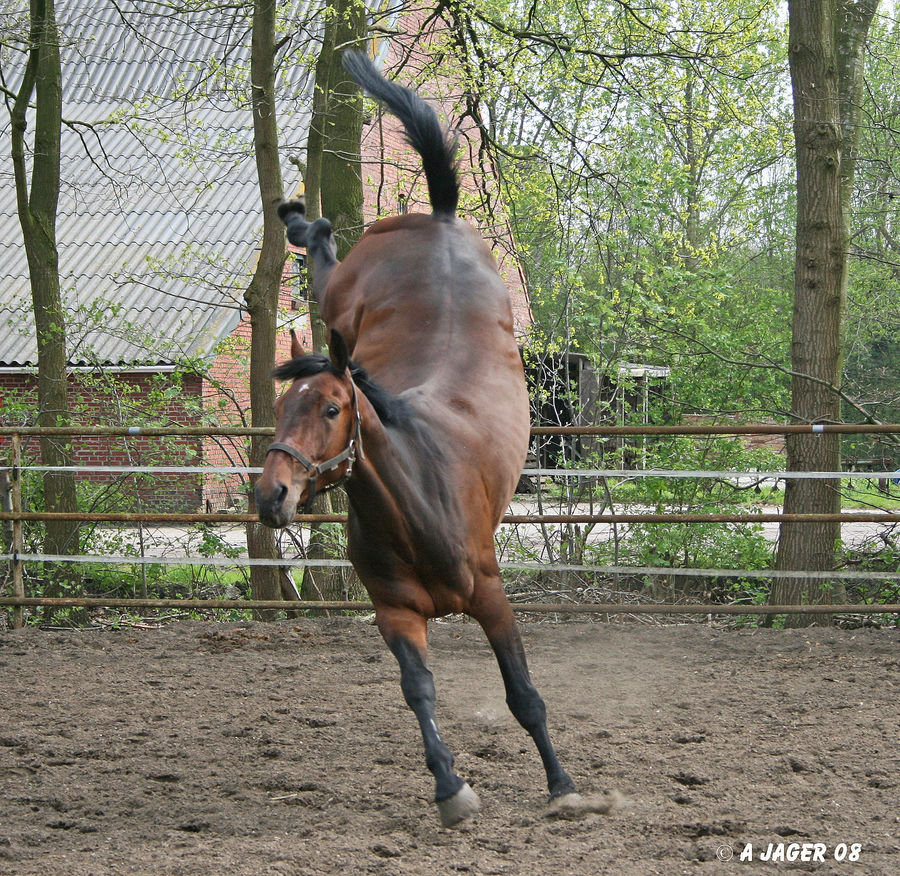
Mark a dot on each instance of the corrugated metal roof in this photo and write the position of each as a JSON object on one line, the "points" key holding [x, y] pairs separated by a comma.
{"points": [[159, 216]]}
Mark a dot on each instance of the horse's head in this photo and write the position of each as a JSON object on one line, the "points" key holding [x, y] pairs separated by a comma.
{"points": [[316, 432]]}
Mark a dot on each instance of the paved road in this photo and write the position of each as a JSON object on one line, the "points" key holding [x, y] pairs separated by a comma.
{"points": [[853, 534], [174, 541]]}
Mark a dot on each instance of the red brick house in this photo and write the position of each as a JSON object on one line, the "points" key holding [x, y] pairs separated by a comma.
{"points": [[158, 232]]}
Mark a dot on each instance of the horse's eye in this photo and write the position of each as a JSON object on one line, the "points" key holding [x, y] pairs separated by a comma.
{"points": [[332, 411]]}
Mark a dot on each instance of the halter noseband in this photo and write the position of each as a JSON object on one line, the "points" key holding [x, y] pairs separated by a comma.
{"points": [[348, 454]]}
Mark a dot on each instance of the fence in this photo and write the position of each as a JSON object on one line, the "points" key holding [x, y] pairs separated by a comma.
{"points": [[13, 516]]}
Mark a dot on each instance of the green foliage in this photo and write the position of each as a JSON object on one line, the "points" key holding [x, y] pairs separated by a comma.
{"points": [[653, 212], [876, 559], [872, 348], [731, 546], [699, 545], [646, 161]]}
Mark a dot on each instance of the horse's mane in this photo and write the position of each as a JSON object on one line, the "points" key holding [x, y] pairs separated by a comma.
{"points": [[391, 410], [304, 366]]}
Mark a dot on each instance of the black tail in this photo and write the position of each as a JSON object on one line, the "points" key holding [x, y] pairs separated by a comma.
{"points": [[423, 131]]}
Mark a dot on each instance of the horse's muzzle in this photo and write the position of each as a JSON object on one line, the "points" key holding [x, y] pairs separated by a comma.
{"points": [[275, 506]]}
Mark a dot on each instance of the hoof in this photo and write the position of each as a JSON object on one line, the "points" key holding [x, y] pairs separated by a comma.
{"points": [[463, 804], [575, 806]]}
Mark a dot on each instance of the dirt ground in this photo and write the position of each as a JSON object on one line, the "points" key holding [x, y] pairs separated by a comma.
{"points": [[201, 748]]}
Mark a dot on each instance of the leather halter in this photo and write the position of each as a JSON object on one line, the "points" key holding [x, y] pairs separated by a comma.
{"points": [[348, 454]]}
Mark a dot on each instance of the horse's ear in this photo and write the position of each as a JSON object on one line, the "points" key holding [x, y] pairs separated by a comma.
{"points": [[337, 347], [296, 349]]}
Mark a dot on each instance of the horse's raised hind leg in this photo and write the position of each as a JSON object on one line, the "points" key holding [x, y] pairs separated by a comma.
{"points": [[405, 633], [492, 610], [318, 239]]}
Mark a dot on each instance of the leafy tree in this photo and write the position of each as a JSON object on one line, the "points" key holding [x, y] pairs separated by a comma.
{"points": [[37, 203], [872, 351], [826, 50], [262, 293], [650, 197], [333, 188]]}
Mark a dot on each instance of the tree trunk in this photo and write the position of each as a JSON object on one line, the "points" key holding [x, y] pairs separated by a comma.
{"points": [[341, 177], [262, 293], [37, 208], [825, 45], [333, 188]]}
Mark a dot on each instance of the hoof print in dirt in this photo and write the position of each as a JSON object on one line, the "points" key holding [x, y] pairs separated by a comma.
{"points": [[689, 780], [193, 826]]}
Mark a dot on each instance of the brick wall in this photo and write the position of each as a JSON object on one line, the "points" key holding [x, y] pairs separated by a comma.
{"points": [[120, 400], [226, 394]]}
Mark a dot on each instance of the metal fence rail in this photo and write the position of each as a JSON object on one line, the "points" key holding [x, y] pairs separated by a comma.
{"points": [[535, 607], [17, 516], [510, 565], [245, 431], [541, 472], [622, 517]]}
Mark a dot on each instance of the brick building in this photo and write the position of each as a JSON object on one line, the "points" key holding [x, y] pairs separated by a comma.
{"points": [[159, 224]]}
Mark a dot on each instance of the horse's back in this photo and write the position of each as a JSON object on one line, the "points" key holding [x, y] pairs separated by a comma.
{"points": [[418, 300], [424, 309]]}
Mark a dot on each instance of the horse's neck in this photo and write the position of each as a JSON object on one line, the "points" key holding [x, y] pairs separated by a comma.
{"points": [[392, 477]]}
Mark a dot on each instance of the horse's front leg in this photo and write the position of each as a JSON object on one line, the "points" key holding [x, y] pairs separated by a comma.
{"points": [[492, 610], [405, 633]]}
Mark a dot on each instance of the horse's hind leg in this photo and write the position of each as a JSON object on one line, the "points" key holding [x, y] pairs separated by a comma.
{"points": [[405, 634], [316, 237], [492, 610]]}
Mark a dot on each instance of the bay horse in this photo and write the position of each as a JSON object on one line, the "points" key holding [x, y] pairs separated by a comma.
{"points": [[421, 411]]}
